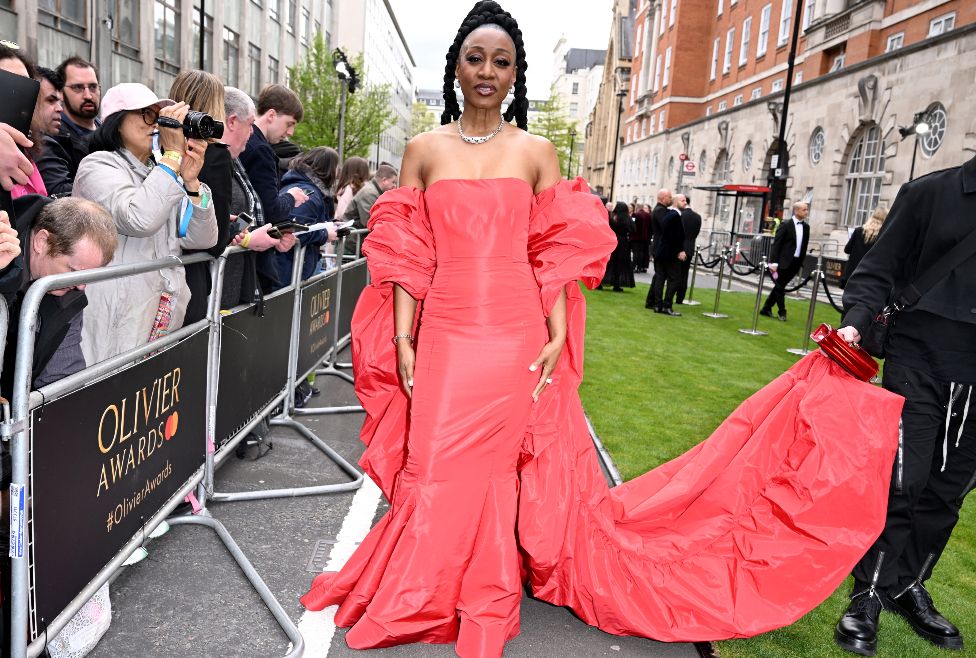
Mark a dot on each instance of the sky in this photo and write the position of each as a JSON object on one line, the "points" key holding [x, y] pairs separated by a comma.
{"points": [[429, 28]]}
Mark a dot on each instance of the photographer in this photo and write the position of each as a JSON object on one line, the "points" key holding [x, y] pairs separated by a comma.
{"points": [[931, 362], [159, 210]]}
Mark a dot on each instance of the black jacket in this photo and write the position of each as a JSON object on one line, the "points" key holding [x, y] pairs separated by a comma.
{"points": [[657, 214], [672, 238], [855, 249], [261, 164], [59, 160], [930, 215], [55, 312], [216, 173], [784, 246], [691, 223]]}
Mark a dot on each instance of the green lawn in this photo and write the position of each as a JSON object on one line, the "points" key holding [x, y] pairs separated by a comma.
{"points": [[655, 386]]}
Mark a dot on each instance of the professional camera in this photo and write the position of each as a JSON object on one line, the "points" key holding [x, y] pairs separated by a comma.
{"points": [[196, 125]]}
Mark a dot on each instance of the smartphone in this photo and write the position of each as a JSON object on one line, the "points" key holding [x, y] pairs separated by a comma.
{"points": [[281, 228], [242, 222]]}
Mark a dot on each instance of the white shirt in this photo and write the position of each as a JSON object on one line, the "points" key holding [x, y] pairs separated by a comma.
{"points": [[798, 225]]}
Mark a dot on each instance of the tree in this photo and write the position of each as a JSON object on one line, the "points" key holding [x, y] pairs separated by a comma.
{"points": [[368, 110], [553, 123], [421, 119]]}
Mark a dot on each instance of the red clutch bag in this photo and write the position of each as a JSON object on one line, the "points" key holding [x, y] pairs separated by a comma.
{"points": [[849, 356]]}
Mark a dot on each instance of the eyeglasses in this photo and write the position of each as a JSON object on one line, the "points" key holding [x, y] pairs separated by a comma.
{"points": [[149, 116], [80, 88]]}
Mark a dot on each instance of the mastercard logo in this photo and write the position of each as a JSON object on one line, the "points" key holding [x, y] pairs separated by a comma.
{"points": [[172, 423]]}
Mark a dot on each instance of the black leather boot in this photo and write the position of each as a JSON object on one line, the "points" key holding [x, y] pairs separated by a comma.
{"points": [[857, 630], [915, 605]]}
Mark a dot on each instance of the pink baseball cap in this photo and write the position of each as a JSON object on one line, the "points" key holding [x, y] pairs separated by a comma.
{"points": [[130, 96]]}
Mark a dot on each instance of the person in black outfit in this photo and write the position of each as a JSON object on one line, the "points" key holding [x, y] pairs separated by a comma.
{"points": [[691, 224], [661, 210], [640, 241], [668, 255], [931, 362], [862, 239], [620, 270], [786, 257]]}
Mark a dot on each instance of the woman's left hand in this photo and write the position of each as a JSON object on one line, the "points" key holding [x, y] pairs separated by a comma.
{"points": [[546, 360], [193, 163]]}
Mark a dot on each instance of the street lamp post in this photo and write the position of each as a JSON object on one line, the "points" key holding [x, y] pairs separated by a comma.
{"points": [[777, 183], [349, 81], [616, 140], [920, 126], [572, 143]]}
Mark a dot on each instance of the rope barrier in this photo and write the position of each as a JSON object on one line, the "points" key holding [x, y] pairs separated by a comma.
{"points": [[751, 270], [709, 265], [830, 297], [801, 284]]}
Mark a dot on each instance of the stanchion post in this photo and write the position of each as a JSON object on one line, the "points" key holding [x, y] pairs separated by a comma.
{"points": [[715, 315], [755, 313], [817, 273], [694, 275]]}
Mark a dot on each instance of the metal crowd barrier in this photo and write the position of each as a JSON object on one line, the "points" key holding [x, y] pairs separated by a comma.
{"points": [[101, 458]]}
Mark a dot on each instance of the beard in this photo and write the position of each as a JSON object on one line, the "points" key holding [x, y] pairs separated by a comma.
{"points": [[87, 109]]}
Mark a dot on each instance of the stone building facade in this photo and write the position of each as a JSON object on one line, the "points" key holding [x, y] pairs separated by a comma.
{"points": [[248, 43], [864, 69], [603, 131]]}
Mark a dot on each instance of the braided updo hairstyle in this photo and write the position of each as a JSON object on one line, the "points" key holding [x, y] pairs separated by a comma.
{"points": [[488, 12]]}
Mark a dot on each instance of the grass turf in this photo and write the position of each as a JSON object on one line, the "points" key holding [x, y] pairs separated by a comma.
{"points": [[655, 386]]}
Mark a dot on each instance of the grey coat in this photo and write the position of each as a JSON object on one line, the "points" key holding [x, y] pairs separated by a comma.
{"points": [[145, 204]]}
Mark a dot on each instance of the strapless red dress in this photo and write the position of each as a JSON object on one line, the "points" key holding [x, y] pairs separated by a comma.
{"points": [[746, 532]]}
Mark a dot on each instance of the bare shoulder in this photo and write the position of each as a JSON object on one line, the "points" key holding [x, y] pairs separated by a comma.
{"points": [[542, 154], [423, 151]]}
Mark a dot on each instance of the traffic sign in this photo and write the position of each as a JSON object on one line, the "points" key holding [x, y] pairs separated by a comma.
{"points": [[688, 168], [683, 157]]}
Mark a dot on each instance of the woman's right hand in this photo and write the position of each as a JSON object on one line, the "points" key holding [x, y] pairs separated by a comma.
{"points": [[849, 334], [171, 139], [406, 358], [260, 240], [298, 194], [15, 168]]}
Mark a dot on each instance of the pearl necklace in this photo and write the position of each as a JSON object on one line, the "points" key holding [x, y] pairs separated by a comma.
{"points": [[480, 140]]}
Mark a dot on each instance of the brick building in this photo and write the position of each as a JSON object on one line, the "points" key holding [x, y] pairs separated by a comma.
{"points": [[707, 80]]}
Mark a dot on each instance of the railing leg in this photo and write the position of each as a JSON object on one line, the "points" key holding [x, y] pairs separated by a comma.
{"points": [[755, 313], [803, 351], [715, 315]]}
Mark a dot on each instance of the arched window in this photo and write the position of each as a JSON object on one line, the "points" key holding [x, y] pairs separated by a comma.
{"points": [[701, 164], [938, 123], [654, 168], [720, 174], [865, 174]]}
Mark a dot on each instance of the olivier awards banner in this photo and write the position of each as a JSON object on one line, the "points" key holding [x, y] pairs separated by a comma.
{"points": [[105, 459], [353, 282], [253, 362], [317, 322]]}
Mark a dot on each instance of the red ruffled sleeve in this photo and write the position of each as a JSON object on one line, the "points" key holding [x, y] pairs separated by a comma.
{"points": [[569, 239], [400, 245], [399, 249]]}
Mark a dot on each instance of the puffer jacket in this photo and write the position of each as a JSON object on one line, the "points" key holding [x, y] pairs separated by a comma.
{"points": [[145, 203]]}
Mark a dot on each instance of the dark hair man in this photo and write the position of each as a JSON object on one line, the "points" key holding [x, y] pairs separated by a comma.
{"points": [[81, 98], [279, 111]]}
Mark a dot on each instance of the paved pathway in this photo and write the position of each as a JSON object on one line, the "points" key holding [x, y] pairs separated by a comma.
{"points": [[189, 599]]}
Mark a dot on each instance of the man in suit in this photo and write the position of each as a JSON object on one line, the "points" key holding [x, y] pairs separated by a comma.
{"points": [[660, 212], [786, 259], [669, 254], [641, 240], [691, 224]]}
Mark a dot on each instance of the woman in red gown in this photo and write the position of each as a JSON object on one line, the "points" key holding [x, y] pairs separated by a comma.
{"points": [[468, 352]]}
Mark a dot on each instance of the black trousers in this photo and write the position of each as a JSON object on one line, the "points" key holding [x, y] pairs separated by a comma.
{"points": [[927, 487], [685, 266], [778, 294], [664, 284]]}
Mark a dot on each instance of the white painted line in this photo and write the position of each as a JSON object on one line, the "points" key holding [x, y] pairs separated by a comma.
{"points": [[318, 628]]}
